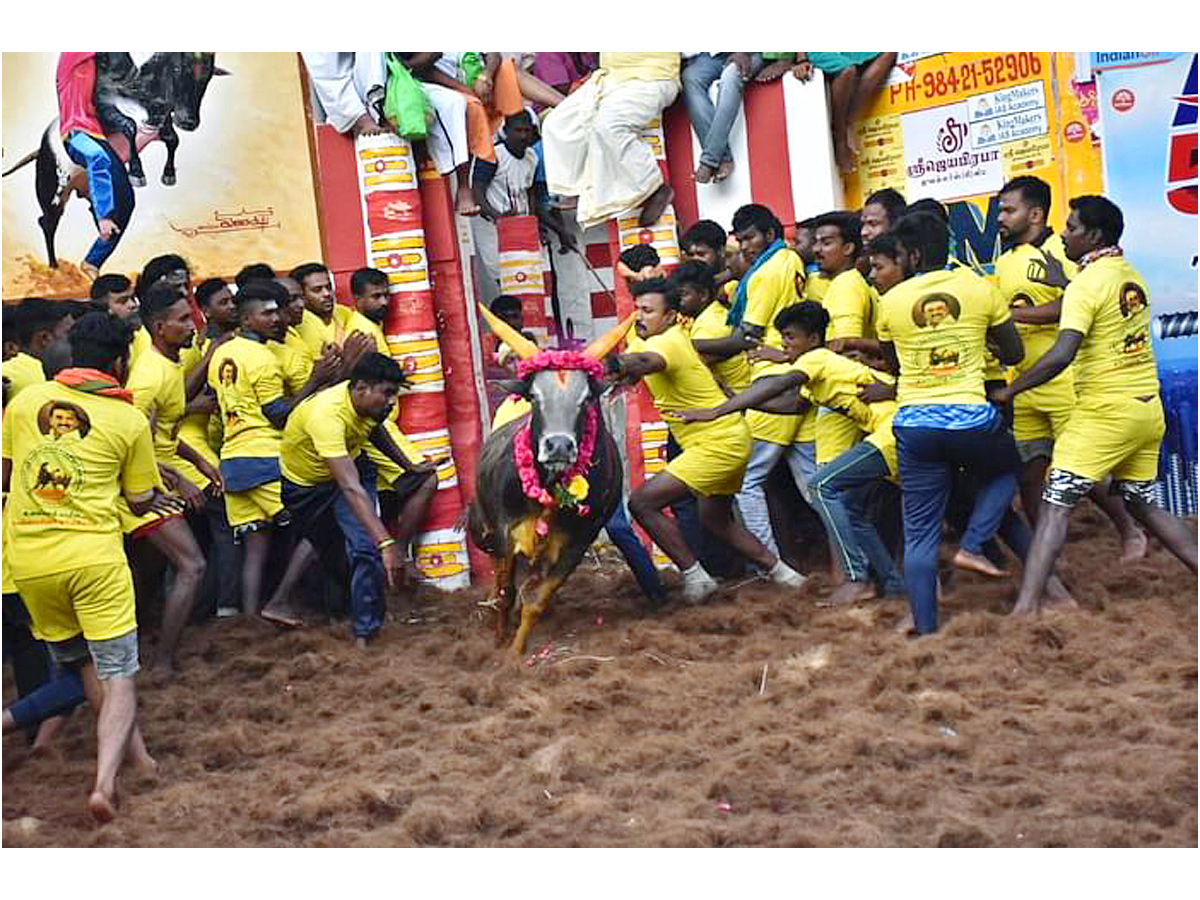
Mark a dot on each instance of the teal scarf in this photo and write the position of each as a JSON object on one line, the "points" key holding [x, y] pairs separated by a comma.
{"points": [[738, 308]]}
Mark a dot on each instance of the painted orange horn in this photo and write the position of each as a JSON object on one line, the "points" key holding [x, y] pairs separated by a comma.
{"points": [[603, 345], [521, 345]]}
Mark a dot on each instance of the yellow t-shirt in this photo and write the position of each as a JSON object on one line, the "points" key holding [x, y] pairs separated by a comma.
{"points": [[850, 302], [816, 286], [833, 382], [73, 454], [685, 383], [710, 325], [194, 428], [937, 322], [1109, 304], [358, 322], [641, 66], [22, 371], [324, 426], [141, 344], [246, 377], [316, 333], [158, 391], [294, 365], [1015, 270], [772, 289]]}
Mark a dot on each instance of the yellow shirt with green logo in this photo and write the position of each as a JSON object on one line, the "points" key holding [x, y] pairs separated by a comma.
{"points": [[324, 426], [1108, 303], [1015, 272], [73, 454], [246, 377], [938, 322]]}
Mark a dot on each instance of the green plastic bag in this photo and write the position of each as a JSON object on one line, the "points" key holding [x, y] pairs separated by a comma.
{"points": [[405, 103], [470, 65]]}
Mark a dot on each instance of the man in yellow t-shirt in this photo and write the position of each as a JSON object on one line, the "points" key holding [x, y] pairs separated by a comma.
{"points": [[1041, 414], [249, 386], [71, 447], [157, 383], [593, 144], [116, 294], [1117, 424], [932, 329], [33, 330], [816, 282], [839, 489], [324, 320], [714, 454], [329, 488], [772, 282]]}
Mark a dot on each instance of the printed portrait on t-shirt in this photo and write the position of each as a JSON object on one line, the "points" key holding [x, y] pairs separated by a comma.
{"points": [[1133, 299], [59, 419], [931, 310]]}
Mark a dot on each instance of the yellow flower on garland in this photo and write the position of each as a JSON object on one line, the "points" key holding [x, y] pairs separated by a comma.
{"points": [[578, 488]]}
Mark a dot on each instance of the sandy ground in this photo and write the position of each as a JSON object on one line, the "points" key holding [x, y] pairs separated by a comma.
{"points": [[757, 720]]}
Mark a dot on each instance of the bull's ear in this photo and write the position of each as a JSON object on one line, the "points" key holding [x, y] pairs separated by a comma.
{"points": [[511, 386], [217, 70]]}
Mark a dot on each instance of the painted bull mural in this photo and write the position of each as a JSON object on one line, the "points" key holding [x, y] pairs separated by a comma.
{"points": [[547, 481]]}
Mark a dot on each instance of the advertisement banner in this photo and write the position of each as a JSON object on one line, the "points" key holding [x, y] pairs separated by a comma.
{"points": [[242, 186], [1148, 112]]}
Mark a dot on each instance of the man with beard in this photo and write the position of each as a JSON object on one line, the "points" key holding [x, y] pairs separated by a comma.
{"points": [[324, 320], [324, 472]]}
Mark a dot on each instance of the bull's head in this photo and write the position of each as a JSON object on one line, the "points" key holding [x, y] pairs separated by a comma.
{"points": [[559, 397], [191, 75]]}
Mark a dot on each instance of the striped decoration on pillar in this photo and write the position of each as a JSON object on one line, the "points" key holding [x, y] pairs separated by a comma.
{"points": [[395, 243], [522, 271]]}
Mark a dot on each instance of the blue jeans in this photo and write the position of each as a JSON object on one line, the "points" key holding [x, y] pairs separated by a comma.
{"points": [[840, 492], [621, 533], [928, 458], [108, 185], [713, 122]]}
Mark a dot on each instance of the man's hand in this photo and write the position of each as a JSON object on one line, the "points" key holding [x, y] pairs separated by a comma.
{"points": [[803, 70], [108, 229], [425, 465], [697, 415], [483, 89], [192, 495], [1000, 395], [205, 402], [764, 353], [876, 392], [353, 349], [327, 366], [1056, 275], [393, 565], [364, 124], [742, 61], [165, 505], [213, 474]]}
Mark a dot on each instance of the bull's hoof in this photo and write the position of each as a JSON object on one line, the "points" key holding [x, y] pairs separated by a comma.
{"points": [[140, 180], [168, 180]]}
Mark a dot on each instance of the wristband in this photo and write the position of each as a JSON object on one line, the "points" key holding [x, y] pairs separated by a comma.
{"points": [[385, 543]]}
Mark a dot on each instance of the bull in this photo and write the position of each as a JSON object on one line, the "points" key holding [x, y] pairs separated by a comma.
{"points": [[537, 527], [136, 105]]}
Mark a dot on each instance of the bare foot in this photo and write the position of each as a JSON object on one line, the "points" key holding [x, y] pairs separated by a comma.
{"points": [[89, 270], [849, 593], [282, 615], [1026, 609], [843, 155], [1057, 592], [464, 203], [1062, 604], [103, 809], [724, 170], [974, 562], [655, 204], [361, 643], [775, 70], [704, 173], [1134, 546]]}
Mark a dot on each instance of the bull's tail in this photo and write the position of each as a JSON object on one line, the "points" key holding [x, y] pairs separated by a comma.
{"points": [[24, 161]]}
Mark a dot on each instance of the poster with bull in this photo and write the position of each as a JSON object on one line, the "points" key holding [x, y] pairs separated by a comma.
{"points": [[1147, 107], [207, 155]]}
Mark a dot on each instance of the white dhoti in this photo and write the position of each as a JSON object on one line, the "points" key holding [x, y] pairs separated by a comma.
{"points": [[447, 140], [594, 150]]}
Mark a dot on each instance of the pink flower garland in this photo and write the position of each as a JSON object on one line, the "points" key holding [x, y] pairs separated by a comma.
{"points": [[531, 482]]}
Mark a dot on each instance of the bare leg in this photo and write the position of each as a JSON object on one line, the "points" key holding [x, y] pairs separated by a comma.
{"points": [[1174, 535], [773, 70], [536, 90], [464, 201], [175, 541], [716, 514], [1033, 480], [279, 608], [869, 82], [1133, 539], [841, 95], [258, 544], [646, 504], [1048, 538], [655, 204], [116, 706]]}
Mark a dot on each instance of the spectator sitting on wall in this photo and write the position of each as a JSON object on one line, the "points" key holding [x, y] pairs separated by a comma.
{"points": [[712, 123], [854, 79]]}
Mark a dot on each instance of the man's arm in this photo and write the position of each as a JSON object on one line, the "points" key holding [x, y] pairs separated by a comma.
{"points": [[197, 376], [383, 438], [1046, 314], [632, 366], [887, 350], [203, 466], [7, 473], [1006, 342], [482, 175], [346, 476], [324, 372], [761, 391], [723, 348], [1053, 361]]}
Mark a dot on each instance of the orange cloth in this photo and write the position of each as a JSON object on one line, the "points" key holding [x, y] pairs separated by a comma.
{"points": [[482, 121]]}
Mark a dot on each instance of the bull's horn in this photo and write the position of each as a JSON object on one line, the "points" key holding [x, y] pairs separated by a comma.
{"points": [[603, 345], [521, 345]]}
